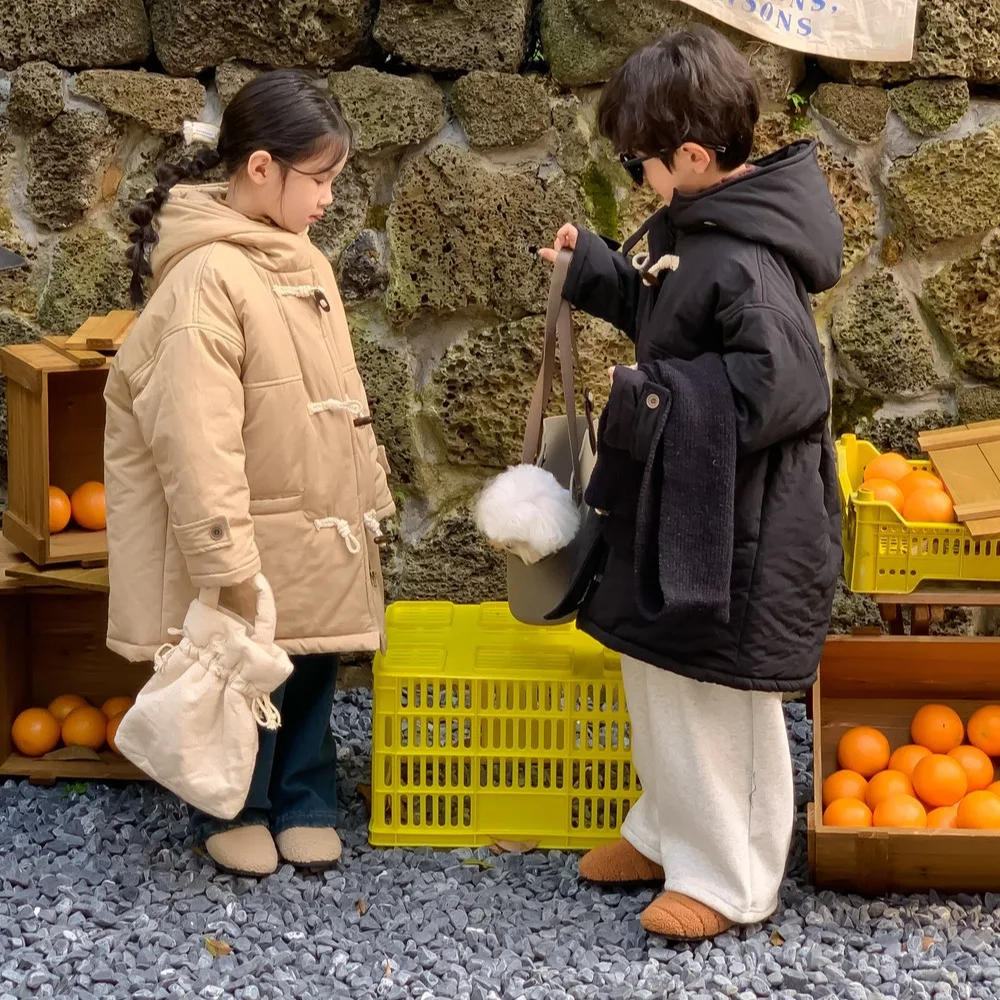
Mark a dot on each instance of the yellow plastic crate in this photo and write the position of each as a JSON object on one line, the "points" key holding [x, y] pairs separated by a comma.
{"points": [[485, 729], [883, 554]]}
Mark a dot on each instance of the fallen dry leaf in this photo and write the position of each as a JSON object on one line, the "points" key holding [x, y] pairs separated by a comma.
{"points": [[365, 791], [776, 939], [513, 846], [476, 863], [927, 943], [217, 948], [361, 906], [72, 753]]}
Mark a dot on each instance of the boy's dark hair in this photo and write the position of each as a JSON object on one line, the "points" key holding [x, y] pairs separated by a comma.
{"points": [[690, 86], [283, 113]]}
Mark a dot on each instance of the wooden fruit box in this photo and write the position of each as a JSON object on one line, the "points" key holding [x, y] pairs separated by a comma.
{"points": [[52, 642], [55, 436], [881, 681]]}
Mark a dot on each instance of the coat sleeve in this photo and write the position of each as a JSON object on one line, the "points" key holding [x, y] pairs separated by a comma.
{"points": [[189, 403], [603, 283], [775, 367]]}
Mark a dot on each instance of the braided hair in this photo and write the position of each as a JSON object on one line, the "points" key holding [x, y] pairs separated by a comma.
{"points": [[283, 113]]}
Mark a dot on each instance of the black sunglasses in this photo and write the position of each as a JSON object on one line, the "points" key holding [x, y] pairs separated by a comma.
{"points": [[633, 164]]}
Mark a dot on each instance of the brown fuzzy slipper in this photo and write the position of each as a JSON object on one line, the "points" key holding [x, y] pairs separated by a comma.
{"points": [[246, 850], [619, 863], [683, 918]]}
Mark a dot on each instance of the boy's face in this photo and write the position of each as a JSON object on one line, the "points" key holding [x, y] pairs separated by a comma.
{"points": [[693, 169]]}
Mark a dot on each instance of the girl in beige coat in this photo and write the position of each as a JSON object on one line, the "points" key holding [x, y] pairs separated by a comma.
{"points": [[239, 441]]}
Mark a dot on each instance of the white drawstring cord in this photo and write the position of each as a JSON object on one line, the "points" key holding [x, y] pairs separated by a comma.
{"points": [[343, 528], [351, 406], [668, 262], [372, 523], [264, 712]]}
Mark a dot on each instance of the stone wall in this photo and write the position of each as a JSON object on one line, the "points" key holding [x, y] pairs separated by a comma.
{"points": [[476, 140]]}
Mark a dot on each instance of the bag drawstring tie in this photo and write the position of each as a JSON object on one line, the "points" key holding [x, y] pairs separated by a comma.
{"points": [[264, 712], [351, 406]]}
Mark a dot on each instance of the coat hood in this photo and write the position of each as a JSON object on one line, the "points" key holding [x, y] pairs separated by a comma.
{"points": [[783, 202], [194, 217]]}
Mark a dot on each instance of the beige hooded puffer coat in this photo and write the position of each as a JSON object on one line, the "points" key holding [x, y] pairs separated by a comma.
{"points": [[238, 439]]}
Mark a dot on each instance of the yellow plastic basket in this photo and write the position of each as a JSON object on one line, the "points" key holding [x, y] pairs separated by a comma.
{"points": [[883, 554], [485, 729]]}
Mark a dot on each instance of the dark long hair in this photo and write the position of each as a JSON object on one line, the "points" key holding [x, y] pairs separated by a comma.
{"points": [[283, 113]]}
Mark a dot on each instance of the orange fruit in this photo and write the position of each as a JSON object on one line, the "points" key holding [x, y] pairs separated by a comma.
{"points": [[918, 479], [85, 726], [887, 491], [59, 510], [88, 506], [113, 724], [929, 506], [904, 759], [36, 732], [937, 727], [984, 729], [61, 707], [884, 785], [889, 466], [943, 818], [939, 780], [979, 811], [864, 750], [844, 785], [118, 705], [849, 812], [901, 811], [978, 767], [994, 788]]}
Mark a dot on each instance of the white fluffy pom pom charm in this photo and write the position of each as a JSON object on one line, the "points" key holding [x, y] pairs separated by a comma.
{"points": [[527, 512]]}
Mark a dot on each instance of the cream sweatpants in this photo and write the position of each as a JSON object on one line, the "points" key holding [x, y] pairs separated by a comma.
{"points": [[718, 800]]}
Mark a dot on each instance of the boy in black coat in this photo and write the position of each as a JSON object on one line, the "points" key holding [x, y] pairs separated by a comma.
{"points": [[733, 256]]}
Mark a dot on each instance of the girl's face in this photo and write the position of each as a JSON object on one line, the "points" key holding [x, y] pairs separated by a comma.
{"points": [[292, 196]]}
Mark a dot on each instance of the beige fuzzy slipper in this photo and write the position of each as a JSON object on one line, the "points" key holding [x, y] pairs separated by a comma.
{"points": [[619, 863], [310, 846], [247, 850]]}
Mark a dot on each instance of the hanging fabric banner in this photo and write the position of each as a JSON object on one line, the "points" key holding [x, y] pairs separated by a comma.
{"points": [[865, 30]]}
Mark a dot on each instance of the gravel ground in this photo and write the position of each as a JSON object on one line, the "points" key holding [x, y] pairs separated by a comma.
{"points": [[101, 896]]}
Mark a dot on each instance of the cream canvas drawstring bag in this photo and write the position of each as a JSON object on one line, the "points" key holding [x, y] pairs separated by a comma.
{"points": [[193, 727]]}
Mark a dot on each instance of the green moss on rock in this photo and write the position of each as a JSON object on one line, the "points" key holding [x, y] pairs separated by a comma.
{"points": [[929, 107], [964, 299], [159, 102], [448, 36], [881, 340], [386, 371], [574, 126], [88, 277], [488, 375], [78, 33], [851, 406], [191, 35], [600, 195], [501, 109], [65, 163], [346, 217], [891, 432], [584, 41], [13, 330], [859, 112], [977, 403], [36, 95], [387, 110], [947, 190], [463, 234]]}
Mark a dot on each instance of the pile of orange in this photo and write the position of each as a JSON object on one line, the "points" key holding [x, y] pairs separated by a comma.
{"points": [[85, 507], [70, 720], [937, 781], [919, 496]]}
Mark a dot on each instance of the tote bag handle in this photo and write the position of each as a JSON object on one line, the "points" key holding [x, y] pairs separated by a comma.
{"points": [[266, 618]]}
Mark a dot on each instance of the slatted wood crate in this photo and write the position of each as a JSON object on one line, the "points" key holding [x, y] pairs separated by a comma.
{"points": [[55, 436], [881, 682]]}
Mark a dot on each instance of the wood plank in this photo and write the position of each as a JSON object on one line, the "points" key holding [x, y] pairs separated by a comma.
{"points": [[75, 545], [960, 437], [970, 479], [977, 511], [17, 532], [78, 339], [39, 357], [94, 580], [111, 338], [111, 767], [83, 358]]}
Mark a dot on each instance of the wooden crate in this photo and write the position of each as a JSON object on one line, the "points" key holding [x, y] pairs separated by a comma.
{"points": [[55, 436], [52, 641], [881, 682]]}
